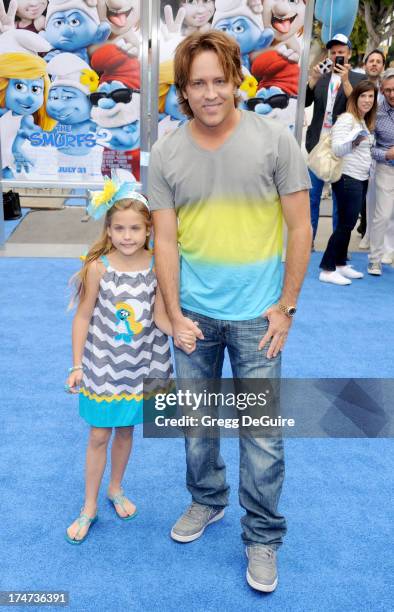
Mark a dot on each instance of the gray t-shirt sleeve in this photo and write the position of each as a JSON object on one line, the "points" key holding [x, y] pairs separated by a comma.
{"points": [[291, 172], [160, 195]]}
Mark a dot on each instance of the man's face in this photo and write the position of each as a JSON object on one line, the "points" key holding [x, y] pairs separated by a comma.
{"points": [[388, 90], [374, 65], [210, 95], [340, 51]]}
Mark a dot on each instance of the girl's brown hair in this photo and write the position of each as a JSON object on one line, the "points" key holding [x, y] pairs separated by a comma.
{"points": [[104, 245], [227, 51], [351, 106]]}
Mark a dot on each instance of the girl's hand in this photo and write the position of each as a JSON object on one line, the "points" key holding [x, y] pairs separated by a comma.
{"points": [[74, 381]]}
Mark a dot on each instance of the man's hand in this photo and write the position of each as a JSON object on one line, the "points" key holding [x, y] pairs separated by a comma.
{"points": [[279, 325], [314, 77], [389, 155], [343, 72], [185, 333]]}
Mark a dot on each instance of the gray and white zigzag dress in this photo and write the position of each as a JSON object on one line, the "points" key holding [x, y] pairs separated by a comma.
{"points": [[123, 347]]}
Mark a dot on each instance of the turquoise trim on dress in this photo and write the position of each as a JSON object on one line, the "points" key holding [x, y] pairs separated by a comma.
{"points": [[105, 261]]}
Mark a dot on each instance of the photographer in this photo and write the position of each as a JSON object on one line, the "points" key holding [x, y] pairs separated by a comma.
{"points": [[330, 84]]}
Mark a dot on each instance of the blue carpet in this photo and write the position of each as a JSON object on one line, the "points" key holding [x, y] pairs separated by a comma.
{"points": [[337, 495], [10, 226]]}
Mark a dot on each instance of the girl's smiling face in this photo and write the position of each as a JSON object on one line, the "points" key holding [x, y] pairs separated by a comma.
{"points": [[198, 12], [24, 96], [128, 231]]}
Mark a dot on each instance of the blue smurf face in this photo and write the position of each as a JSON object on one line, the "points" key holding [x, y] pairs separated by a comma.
{"points": [[171, 106], [125, 138], [245, 32], [24, 96], [71, 30], [68, 105]]}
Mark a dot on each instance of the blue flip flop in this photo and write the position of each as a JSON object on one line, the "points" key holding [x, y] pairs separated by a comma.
{"points": [[83, 520], [119, 499]]}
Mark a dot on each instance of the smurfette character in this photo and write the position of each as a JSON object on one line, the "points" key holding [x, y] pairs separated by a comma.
{"points": [[68, 102], [24, 86], [127, 325], [29, 15], [116, 109], [238, 20], [170, 114], [72, 26]]}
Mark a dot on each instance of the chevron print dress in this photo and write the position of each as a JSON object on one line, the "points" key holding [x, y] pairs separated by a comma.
{"points": [[123, 347]]}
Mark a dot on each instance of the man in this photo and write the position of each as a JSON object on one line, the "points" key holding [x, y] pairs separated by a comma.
{"points": [[219, 186], [329, 94], [383, 153], [374, 67]]}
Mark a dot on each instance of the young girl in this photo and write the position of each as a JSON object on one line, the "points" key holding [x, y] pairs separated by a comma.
{"points": [[352, 140], [116, 344]]}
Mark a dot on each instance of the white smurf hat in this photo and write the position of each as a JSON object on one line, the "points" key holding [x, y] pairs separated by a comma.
{"points": [[235, 8], [70, 70], [23, 41], [67, 5]]}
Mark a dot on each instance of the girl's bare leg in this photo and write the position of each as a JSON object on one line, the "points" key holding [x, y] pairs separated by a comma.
{"points": [[120, 453], [96, 458]]}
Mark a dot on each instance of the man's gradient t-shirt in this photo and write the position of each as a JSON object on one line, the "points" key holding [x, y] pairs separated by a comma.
{"points": [[230, 224]]}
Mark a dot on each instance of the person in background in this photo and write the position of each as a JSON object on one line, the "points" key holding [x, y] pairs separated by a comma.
{"points": [[328, 93], [351, 139], [373, 67], [383, 153]]}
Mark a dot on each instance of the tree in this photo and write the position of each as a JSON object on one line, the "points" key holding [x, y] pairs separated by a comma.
{"points": [[379, 21]]}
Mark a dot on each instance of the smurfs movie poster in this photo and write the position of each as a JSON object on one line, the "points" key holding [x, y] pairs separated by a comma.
{"points": [[270, 36], [69, 89]]}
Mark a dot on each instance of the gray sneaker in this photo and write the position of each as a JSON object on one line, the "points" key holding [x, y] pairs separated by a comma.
{"points": [[192, 523], [375, 268], [261, 573]]}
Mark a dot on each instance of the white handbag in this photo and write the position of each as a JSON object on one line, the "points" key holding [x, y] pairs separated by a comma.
{"points": [[323, 162]]}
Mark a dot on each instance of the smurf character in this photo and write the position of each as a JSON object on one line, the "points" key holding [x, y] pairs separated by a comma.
{"points": [[123, 17], [72, 26], [24, 87], [336, 16], [277, 88], [286, 18], [126, 322], [116, 108], [197, 14], [170, 114], [29, 15], [236, 19], [68, 102]]}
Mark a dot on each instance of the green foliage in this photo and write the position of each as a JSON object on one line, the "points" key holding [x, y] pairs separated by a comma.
{"points": [[359, 38]]}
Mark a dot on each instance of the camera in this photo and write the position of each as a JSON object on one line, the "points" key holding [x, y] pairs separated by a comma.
{"points": [[325, 66], [340, 61]]}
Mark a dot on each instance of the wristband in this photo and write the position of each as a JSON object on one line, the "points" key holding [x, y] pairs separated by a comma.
{"points": [[75, 368]]}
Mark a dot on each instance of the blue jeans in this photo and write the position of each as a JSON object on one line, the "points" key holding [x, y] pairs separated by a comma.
{"points": [[261, 469], [350, 193], [315, 197]]}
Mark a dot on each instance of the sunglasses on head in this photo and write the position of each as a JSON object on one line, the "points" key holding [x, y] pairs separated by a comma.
{"points": [[124, 95]]}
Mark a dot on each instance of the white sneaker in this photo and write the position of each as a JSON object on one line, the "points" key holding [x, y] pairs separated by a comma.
{"points": [[349, 272], [387, 258], [333, 277], [364, 243]]}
